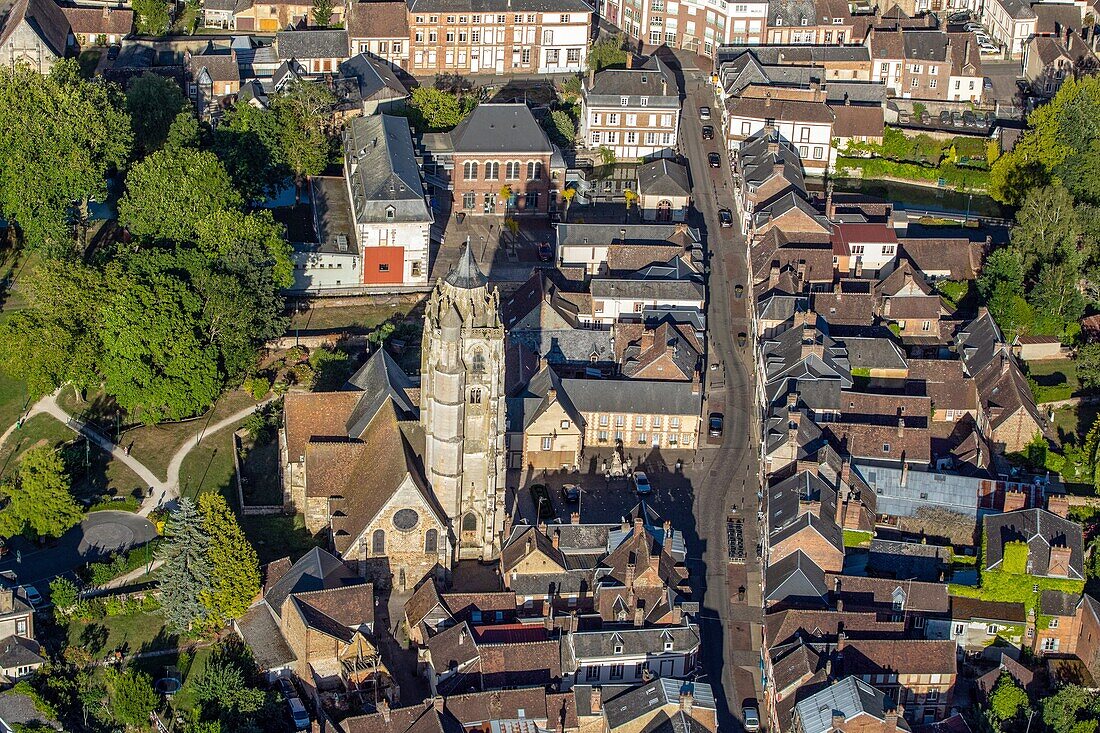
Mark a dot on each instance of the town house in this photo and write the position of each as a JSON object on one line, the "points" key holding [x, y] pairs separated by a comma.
{"points": [[692, 25], [380, 28], [269, 16], [633, 112], [927, 64], [817, 22], [20, 654]]}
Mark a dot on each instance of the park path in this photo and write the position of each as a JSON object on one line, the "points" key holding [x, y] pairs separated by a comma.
{"points": [[162, 491]]}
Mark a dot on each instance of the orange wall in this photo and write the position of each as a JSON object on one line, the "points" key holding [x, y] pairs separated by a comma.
{"points": [[373, 257]]}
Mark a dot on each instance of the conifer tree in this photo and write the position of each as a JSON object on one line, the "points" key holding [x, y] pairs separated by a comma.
{"points": [[234, 567], [185, 576]]}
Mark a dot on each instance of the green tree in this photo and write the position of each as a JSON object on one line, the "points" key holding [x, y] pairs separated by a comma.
{"points": [[607, 156], [1008, 700], [304, 112], [39, 500], [226, 232], [437, 110], [607, 51], [63, 594], [60, 137], [235, 569], [248, 143], [1056, 300], [185, 575], [1062, 712], [223, 692], [172, 190], [184, 132], [322, 13], [132, 697], [562, 128], [1088, 365], [1047, 230], [153, 102], [151, 17]]}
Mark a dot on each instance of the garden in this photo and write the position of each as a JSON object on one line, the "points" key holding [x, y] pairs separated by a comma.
{"points": [[960, 162]]}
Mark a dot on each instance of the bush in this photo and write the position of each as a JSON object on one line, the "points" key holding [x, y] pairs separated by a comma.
{"points": [[120, 504], [257, 386], [98, 573], [953, 175]]}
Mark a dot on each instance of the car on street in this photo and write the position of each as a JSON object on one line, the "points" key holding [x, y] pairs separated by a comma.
{"points": [[715, 425], [969, 119], [715, 160], [704, 113], [113, 52], [742, 339], [960, 17], [957, 119], [738, 290], [708, 132], [641, 482], [751, 718], [725, 218], [546, 252], [973, 27], [298, 714], [903, 118], [988, 49], [286, 688], [571, 493], [32, 595]]}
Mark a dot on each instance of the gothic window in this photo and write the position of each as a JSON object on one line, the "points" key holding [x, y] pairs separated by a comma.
{"points": [[475, 396], [431, 540], [405, 519], [478, 365], [469, 522], [378, 543]]}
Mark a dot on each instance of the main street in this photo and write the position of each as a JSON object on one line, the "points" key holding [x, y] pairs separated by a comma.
{"points": [[731, 598]]}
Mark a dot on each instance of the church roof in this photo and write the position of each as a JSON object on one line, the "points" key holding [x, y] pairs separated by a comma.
{"points": [[378, 380], [466, 274]]}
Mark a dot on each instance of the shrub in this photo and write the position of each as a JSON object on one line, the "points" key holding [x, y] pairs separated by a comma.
{"points": [[257, 386], [98, 573], [123, 504]]}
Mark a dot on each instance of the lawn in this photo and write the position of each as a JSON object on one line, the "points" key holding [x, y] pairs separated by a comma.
{"points": [[97, 474], [278, 536], [131, 634], [1057, 378], [13, 400], [1074, 421], [88, 61], [360, 317], [856, 538], [260, 474], [38, 430], [209, 467]]}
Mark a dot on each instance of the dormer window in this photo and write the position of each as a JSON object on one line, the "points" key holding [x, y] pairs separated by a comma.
{"points": [[805, 22], [619, 648], [390, 212], [668, 645], [624, 101], [778, 22]]}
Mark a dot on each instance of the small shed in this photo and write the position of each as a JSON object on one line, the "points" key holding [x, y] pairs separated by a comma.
{"points": [[664, 190], [1036, 348]]}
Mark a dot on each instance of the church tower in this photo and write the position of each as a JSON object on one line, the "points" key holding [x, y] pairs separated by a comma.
{"points": [[462, 407]]}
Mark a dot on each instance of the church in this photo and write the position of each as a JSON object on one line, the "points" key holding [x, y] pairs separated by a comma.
{"points": [[406, 477]]}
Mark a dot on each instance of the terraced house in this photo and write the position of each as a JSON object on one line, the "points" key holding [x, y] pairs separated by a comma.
{"points": [[499, 37], [634, 112]]}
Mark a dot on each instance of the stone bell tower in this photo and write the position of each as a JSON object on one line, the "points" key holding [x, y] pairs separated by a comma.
{"points": [[462, 407]]}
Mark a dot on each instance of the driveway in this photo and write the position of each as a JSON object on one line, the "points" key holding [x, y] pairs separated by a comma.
{"points": [[99, 535]]}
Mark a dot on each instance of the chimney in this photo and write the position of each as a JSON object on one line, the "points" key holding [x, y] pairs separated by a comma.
{"points": [[624, 525], [384, 708], [677, 615], [829, 213], [686, 701], [591, 77], [639, 524], [655, 561], [544, 529], [667, 539], [1058, 504], [792, 401], [838, 721], [1004, 362], [846, 472], [629, 581], [891, 719], [556, 540], [768, 99], [575, 518], [1014, 499], [639, 616], [462, 636], [595, 699], [841, 640], [901, 427], [904, 474], [664, 87], [528, 545], [646, 341], [839, 513], [1059, 561], [437, 703], [551, 395], [106, 11]]}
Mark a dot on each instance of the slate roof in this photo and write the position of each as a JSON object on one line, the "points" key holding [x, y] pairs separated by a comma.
{"points": [[797, 579], [17, 708], [44, 17], [873, 353], [663, 177], [979, 610], [319, 43], [791, 110], [95, 21], [219, 65], [364, 77], [500, 128], [907, 561], [259, 627], [850, 697], [378, 380], [19, 651], [316, 570], [587, 645], [1058, 603], [383, 171], [465, 273], [816, 55], [661, 693], [652, 80], [1041, 530], [798, 663]]}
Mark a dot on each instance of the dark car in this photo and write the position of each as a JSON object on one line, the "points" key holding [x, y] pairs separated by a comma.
{"points": [[708, 132], [725, 218], [738, 291], [715, 160], [742, 338], [945, 117], [571, 493], [113, 52], [715, 425], [546, 252]]}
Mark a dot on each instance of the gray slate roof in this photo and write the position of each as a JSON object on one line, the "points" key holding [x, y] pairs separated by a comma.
{"points": [[796, 578], [663, 177], [653, 81], [321, 43], [1058, 603], [647, 289], [500, 128], [922, 489], [259, 628], [16, 708], [598, 644], [380, 379], [316, 570], [383, 171], [1041, 530], [19, 651], [644, 699], [466, 274], [365, 77], [848, 698]]}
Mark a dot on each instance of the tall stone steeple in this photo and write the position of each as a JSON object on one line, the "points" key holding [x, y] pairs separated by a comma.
{"points": [[462, 407]]}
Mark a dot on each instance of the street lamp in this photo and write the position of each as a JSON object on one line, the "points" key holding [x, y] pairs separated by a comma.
{"points": [[969, 199]]}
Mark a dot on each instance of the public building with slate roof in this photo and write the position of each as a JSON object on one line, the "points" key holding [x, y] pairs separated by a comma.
{"points": [[664, 190], [33, 33]]}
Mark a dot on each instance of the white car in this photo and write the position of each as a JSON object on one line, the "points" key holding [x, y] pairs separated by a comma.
{"points": [[988, 49], [704, 113], [751, 718], [32, 595], [973, 27]]}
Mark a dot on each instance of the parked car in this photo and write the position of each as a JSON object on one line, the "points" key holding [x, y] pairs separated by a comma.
{"points": [[715, 424], [704, 113], [641, 482], [925, 118], [960, 17], [957, 119], [571, 493], [945, 117], [987, 85], [546, 252], [969, 119], [903, 118], [715, 160], [708, 132], [973, 27], [298, 714], [725, 218], [751, 718], [286, 688], [32, 595], [742, 339], [738, 290], [988, 49], [113, 52]]}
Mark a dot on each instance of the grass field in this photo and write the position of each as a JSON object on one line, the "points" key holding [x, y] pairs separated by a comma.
{"points": [[209, 467], [1055, 373], [39, 430], [139, 632], [13, 400], [278, 536], [361, 318]]}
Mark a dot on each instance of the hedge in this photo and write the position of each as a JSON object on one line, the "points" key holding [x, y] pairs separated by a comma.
{"points": [[126, 504], [98, 573], [856, 538], [953, 175]]}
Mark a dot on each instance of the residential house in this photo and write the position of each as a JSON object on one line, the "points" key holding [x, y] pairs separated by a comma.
{"points": [[952, 394], [423, 718], [849, 706], [863, 248], [795, 581], [504, 709], [918, 604], [213, 78], [659, 704], [691, 25], [379, 28], [502, 37], [367, 85], [20, 654], [665, 350], [629, 655], [609, 250], [819, 22], [270, 16], [927, 64], [806, 121], [219, 14], [766, 167], [949, 258], [1087, 648], [466, 658], [33, 33], [664, 191], [1010, 23], [916, 674], [635, 112], [325, 255], [1059, 623], [941, 503], [1050, 59], [834, 62], [1034, 542], [319, 51], [802, 517], [908, 302], [391, 214], [975, 624], [99, 26]]}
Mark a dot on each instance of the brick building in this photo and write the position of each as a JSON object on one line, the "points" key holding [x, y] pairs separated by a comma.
{"points": [[509, 38], [817, 22], [691, 25]]}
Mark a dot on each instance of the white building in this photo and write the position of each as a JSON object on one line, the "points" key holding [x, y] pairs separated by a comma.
{"points": [[633, 112], [694, 25], [1010, 23], [612, 656], [391, 215], [330, 260], [807, 123]]}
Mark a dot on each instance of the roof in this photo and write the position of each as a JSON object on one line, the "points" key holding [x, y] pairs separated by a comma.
{"points": [[859, 593], [95, 21], [19, 651], [599, 644], [452, 648], [920, 488], [466, 274], [789, 110], [382, 171], [44, 17], [823, 625], [500, 128], [320, 43], [795, 578], [548, 710], [316, 570], [849, 698], [377, 19], [663, 177], [423, 600], [944, 383], [259, 627], [857, 120], [1058, 603], [958, 257], [652, 81], [900, 656], [17, 708], [979, 610], [350, 605], [364, 77], [1041, 530], [795, 54], [499, 6], [379, 380], [649, 697], [218, 64], [421, 718]]}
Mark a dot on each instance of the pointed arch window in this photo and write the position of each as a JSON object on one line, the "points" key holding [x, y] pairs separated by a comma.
{"points": [[431, 540], [378, 542], [477, 363]]}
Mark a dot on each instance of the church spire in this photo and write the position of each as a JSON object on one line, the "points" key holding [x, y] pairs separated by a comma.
{"points": [[466, 274]]}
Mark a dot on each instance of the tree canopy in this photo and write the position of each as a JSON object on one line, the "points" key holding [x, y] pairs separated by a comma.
{"points": [[153, 102], [151, 17], [185, 575], [235, 569], [607, 51], [437, 110], [39, 501]]}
